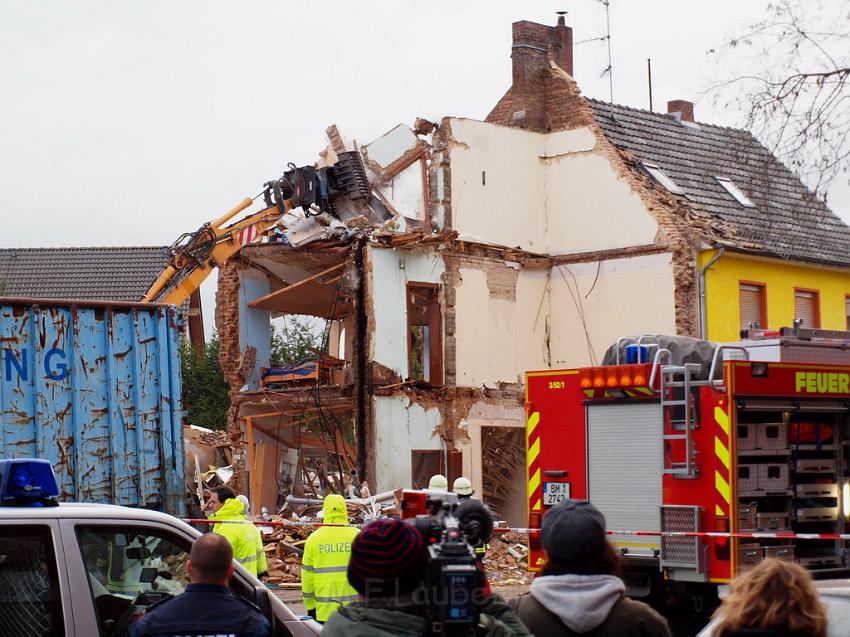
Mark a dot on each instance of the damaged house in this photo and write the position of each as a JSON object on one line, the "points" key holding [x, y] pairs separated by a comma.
{"points": [[463, 254]]}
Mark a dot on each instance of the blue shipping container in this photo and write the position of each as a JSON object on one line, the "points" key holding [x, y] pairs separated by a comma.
{"points": [[94, 387]]}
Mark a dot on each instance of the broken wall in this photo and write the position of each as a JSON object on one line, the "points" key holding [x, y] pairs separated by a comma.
{"points": [[482, 415], [497, 185], [552, 193], [402, 426], [593, 304], [391, 271], [501, 322]]}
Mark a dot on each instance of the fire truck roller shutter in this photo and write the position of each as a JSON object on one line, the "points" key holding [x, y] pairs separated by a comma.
{"points": [[624, 458]]}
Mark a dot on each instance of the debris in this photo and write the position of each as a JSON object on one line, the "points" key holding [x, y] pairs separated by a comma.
{"points": [[519, 551], [423, 126], [506, 560]]}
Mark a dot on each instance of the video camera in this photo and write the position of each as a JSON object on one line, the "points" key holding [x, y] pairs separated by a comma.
{"points": [[454, 581]]}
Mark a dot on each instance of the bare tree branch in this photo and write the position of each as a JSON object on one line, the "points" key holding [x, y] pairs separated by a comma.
{"points": [[795, 93]]}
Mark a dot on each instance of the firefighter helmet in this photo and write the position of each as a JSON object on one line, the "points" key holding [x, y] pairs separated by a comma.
{"points": [[462, 486], [438, 483]]}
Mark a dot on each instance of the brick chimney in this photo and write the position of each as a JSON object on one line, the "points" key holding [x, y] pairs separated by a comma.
{"points": [[533, 46], [681, 109]]}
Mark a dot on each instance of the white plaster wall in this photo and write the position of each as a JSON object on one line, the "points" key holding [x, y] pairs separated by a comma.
{"points": [[624, 297], [400, 427], [550, 193], [389, 301], [508, 208], [391, 145], [497, 339], [405, 192], [591, 208]]}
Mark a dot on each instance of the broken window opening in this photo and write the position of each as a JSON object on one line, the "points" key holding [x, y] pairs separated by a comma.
{"points": [[425, 463], [424, 333]]}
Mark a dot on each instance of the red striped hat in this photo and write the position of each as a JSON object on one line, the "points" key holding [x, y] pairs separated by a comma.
{"points": [[387, 558]]}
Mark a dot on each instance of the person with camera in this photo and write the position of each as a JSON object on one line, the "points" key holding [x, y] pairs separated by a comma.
{"points": [[388, 569], [579, 592]]}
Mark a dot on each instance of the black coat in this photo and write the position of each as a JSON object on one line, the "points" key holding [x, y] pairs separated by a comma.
{"points": [[202, 610]]}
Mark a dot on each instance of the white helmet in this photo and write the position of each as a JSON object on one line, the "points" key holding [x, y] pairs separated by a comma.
{"points": [[462, 486], [438, 483]]}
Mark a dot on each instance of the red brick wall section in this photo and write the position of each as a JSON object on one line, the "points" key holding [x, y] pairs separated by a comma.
{"points": [[227, 321], [684, 107], [227, 326], [501, 113]]}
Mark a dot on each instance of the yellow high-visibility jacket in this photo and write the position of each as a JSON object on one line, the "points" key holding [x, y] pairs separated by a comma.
{"points": [[324, 566], [245, 539]]}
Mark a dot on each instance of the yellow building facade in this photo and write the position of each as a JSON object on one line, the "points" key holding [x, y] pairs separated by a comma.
{"points": [[828, 288]]}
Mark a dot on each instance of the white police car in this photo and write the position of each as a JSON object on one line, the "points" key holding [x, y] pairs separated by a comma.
{"points": [[79, 570]]}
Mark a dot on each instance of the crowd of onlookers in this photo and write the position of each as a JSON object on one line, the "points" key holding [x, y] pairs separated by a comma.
{"points": [[367, 583]]}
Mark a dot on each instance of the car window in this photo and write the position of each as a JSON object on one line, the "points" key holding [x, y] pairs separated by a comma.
{"points": [[30, 602], [130, 569]]}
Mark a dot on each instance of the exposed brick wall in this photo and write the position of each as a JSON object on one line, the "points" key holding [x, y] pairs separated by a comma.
{"points": [[227, 326], [565, 107], [440, 164], [684, 107], [227, 321], [501, 112]]}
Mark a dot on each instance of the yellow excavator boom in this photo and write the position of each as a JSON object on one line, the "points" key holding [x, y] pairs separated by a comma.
{"points": [[206, 249]]}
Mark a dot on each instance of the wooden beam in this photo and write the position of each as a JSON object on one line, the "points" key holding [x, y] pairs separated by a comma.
{"points": [[289, 288]]}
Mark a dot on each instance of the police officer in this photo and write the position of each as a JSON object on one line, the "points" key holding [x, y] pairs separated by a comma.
{"points": [[207, 606], [245, 538], [324, 582]]}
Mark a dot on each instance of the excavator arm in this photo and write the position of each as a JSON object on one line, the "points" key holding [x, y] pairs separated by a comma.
{"points": [[195, 255]]}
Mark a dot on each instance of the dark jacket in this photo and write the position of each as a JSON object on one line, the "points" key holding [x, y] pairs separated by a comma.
{"points": [[203, 609], [398, 618], [586, 605]]}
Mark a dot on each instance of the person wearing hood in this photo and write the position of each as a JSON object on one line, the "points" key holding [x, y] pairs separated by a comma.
{"points": [[579, 592], [327, 551], [245, 538], [387, 567]]}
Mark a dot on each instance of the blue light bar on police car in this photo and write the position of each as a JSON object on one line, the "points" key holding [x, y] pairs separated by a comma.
{"points": [[27, 478]]}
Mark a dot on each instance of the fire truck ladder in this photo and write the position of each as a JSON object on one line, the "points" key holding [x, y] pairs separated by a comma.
{"points": [[677, 405]]}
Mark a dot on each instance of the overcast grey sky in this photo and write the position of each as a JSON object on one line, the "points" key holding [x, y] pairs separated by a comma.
{"points": [[128, 123]]}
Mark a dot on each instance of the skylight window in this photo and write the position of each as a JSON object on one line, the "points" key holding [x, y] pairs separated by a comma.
{"points": [[736, 192], [661, 177]]}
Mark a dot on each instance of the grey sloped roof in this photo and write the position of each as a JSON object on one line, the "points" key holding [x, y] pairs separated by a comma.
{"points": [[94, 274], [788, 220]]}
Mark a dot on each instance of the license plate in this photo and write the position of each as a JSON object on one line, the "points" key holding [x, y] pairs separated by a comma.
{"points": [[554, 492]]}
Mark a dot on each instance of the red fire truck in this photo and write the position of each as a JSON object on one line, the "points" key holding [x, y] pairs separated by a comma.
{"points": [[754, 437]]}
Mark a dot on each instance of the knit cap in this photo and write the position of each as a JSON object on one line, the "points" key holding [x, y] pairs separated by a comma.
{"points": [[387, 559], [573, 529]]}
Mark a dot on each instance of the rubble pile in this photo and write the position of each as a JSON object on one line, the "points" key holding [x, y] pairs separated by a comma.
{"points": [[505, 561], [284, 547], [507, 558]]}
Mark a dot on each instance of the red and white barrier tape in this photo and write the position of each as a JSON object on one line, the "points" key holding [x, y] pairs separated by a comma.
{"points": [[706, 534]]}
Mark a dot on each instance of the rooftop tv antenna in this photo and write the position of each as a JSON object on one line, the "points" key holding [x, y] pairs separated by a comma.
{"points": [[610, 69], [606, 38]]}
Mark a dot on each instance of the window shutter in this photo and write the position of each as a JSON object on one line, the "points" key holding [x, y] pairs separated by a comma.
{"points": [[847, 310], [806, 308], [752, 308]]}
